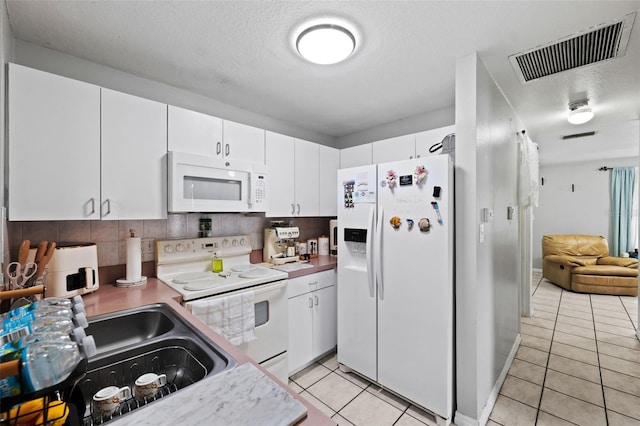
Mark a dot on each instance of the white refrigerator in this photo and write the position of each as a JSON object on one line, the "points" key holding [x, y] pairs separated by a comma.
{"points": [[395, 278]]}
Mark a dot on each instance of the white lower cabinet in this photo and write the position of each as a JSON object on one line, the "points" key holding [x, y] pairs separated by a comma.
{"points": [[312, 318]]}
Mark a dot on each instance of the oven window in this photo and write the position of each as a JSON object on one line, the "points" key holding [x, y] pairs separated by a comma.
{"points": [[212, 189], [262, 313]]}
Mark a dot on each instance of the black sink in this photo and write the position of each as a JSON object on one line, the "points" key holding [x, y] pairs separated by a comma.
{"points": [[148, 339]]}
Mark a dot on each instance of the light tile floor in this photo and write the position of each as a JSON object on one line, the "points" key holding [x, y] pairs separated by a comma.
{"points": [[578, 363], [351, 400]]}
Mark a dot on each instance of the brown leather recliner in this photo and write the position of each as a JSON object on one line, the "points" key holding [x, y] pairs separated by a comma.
{"points": [[582, 263]]}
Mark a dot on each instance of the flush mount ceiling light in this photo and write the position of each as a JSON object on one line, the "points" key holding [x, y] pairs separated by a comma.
{"points": [[325, 44], [580, 112]]}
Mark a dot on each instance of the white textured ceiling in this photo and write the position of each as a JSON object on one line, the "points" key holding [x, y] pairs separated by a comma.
{"points": [[240, 53]]}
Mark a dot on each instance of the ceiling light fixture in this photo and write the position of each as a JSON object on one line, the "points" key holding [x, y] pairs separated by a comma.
{"points": [[580, 112], [325, 44]]}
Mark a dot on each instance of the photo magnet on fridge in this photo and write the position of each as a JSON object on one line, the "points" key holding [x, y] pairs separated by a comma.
{"points": [[406, 180]]}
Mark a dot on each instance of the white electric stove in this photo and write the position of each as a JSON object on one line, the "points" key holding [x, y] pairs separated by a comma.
{"points": [[185, 266]]}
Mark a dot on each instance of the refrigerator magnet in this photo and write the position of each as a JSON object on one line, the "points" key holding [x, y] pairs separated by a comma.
{"points": [[420, 174], [395, 222], [391, 179], [436, 191], [435, 207], [409, 224], [424, 224]]}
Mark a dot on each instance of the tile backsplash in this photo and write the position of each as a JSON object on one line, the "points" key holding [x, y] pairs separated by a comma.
{"points": [[110, 235]]}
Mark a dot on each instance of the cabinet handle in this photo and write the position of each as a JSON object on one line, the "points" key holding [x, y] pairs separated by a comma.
{"points": [[310, 302], [93, 206], [411, 157], [227, 150], [298, 208], [108, 202], [218, 148], [316, 297], [293, 209]]}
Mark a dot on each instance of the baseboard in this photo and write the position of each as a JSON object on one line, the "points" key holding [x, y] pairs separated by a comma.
{"points": [[463, 420], [536, 270]]}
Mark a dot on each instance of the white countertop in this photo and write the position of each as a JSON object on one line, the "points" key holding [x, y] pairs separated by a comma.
{"points": [[242, 396]]}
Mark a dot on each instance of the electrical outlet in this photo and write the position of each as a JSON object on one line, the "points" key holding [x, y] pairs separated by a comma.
{"points": [[148, 245]]}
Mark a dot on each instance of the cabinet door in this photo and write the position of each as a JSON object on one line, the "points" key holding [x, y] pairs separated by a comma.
{"points": [[325, 324], [394, 149], [133, 155], [307, 178], [428, 138], [355, 156], [194, 132], [329, 164], [54, 147], [280, 180], [300, 331], [242, 142]]}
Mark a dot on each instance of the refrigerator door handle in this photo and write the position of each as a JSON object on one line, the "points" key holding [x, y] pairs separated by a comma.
{"points": [[371, 275], [378, 250]]}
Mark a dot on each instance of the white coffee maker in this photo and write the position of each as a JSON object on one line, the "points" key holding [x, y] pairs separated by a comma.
{"points": [[279, 246]]}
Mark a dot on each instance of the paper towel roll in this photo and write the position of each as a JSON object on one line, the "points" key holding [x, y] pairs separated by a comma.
{"points": [[134, 259], [323, 246]]}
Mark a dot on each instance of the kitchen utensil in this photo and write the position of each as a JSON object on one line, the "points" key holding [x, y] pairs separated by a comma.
{"points": [[19, 273], [51, 248], [23, 253], [42, 249]]}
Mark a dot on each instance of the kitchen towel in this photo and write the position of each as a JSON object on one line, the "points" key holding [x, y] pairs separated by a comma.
{"points": [[233, 316]]}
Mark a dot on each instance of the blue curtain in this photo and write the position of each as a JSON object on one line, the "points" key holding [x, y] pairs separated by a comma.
{"points": [[622, 183]]}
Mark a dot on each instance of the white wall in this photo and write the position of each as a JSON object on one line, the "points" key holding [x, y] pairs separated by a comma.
{"points": [[44, 59], [585, 210], [417, 123], [487, 275]]}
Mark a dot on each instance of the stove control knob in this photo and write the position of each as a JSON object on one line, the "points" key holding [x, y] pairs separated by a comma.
{"points": [[179, 247], [243, 242], [225, 243], [234, 243], [168, 248]]}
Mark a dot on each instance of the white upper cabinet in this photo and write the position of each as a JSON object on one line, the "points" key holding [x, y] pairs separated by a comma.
{"points": [[329, 165], [293, 176], [394, 149], [242, 142], [133, 157], [356, 156], [427, 139], [194, 133], [280, 157], [54, 147], [307, 178]]}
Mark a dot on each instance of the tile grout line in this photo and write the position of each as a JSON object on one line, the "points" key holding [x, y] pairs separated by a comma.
{"points": [[546, 367], [604, 399]]}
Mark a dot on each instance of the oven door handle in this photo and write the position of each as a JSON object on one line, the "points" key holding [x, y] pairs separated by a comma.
{"points": [[269, 287]]}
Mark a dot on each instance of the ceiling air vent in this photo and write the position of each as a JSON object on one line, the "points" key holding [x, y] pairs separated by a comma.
{"points": [[605, 41], [578, 135]]}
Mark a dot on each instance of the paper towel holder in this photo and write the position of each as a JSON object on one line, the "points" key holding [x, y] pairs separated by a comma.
{"points": [[134, 261]]}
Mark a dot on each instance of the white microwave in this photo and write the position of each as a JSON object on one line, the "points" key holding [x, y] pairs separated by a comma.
{"points": [[206, 184]]}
